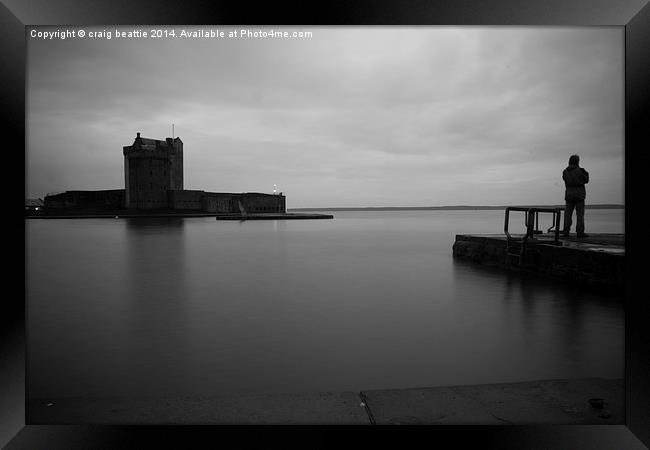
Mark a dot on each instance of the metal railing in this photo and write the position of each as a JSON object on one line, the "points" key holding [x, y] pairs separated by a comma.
{"points": [[531, 219]]}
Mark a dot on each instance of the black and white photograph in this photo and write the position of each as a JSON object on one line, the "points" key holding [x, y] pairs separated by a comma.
{"points": [[322, 225]]}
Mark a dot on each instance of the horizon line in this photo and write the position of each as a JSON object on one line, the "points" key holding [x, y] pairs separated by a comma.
{"points": [[448, 207]]}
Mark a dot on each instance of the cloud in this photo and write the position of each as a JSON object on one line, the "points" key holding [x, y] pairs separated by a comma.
{"points": [[468, 115]]}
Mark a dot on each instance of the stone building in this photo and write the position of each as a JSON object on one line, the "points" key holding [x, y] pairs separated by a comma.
{"points": [[153, 180], [151, 168]]}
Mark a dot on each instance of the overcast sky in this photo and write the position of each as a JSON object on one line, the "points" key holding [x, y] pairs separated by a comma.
{"points": [[372, 116]]}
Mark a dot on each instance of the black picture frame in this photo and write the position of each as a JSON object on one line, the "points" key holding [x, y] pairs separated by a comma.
{"points": [[633, 15]]}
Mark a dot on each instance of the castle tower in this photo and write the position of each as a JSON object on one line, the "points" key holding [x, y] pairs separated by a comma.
{"points": [[151, 168]]}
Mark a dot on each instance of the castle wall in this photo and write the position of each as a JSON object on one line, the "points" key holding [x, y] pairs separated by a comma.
{"points": [[188, 200], [215, 202], [261, 203], [148, 182], [196, 200], [100, 200]]}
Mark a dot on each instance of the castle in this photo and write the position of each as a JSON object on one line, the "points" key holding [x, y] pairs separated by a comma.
{"points": [[153, 180], [151, 169]]}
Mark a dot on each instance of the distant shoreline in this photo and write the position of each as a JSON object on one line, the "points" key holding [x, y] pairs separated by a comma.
{"points": [[445, 208]]}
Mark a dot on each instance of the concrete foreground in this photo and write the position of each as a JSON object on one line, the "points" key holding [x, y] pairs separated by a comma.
{"points": [[550, 402]]}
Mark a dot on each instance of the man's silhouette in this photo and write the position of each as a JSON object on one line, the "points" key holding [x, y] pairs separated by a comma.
{"points": [[575, 178]]}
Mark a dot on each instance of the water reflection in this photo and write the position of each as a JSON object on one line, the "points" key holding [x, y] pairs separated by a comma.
{"points": [[549, 316], [159, 333]]}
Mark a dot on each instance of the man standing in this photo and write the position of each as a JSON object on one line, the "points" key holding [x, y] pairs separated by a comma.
{"points": [[575, 178]]}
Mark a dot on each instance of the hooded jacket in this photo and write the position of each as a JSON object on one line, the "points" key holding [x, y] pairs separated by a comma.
{"points": [[575, 178]]}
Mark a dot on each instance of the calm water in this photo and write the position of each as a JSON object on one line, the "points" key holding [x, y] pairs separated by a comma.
{"points": [[369, 300]]}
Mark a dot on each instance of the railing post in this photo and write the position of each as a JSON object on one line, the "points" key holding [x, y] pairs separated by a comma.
{"points": [[530, 222]]}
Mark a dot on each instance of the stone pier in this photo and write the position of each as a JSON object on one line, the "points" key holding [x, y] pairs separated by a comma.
{"points": [[596, 260]]}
